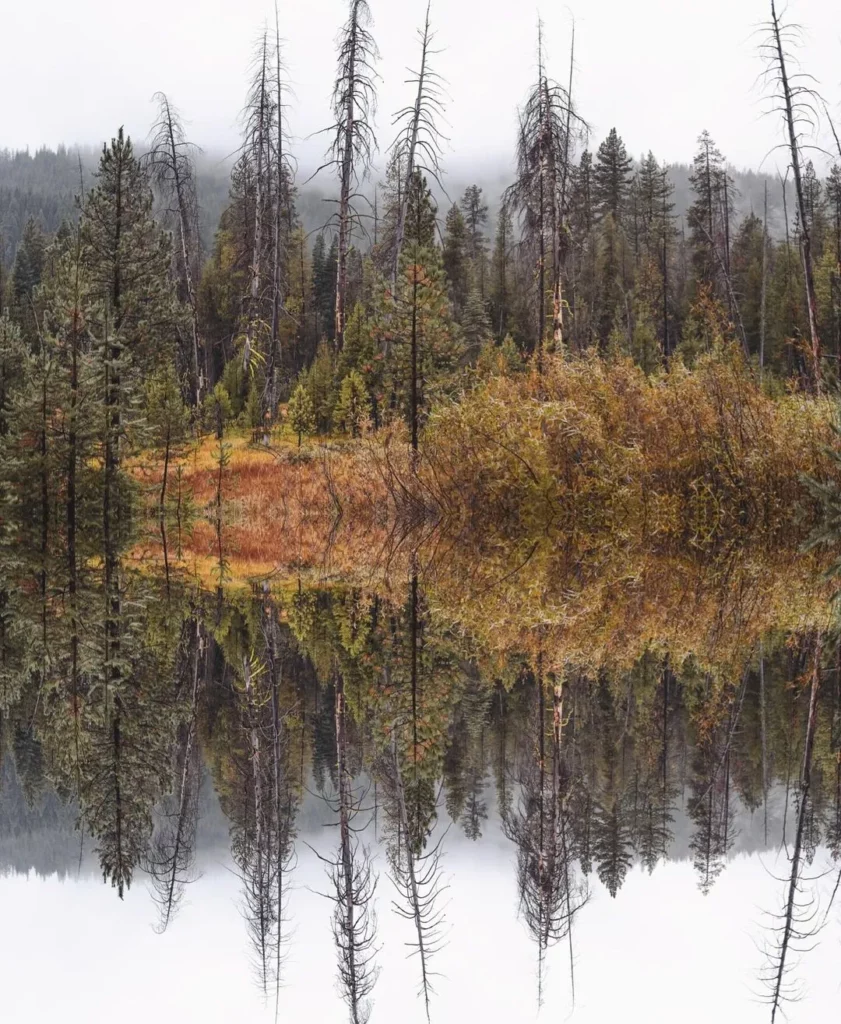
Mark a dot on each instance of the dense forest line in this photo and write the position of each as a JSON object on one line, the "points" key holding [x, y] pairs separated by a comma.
{"points": [[118, 336], [399, 299], [43, 186]]}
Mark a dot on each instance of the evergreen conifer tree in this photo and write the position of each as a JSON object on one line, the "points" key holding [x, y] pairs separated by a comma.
{"points": [[29, 262], [709, 215], [167, 419], [475, 213], [474, 322], [134, 314], [353, 406], [501, 283], [612, 176], [421, 212], [300, 412], [324, 264], [456, 258]]}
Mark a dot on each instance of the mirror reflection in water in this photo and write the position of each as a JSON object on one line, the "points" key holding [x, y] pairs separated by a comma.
{"points": [[304, 798]]}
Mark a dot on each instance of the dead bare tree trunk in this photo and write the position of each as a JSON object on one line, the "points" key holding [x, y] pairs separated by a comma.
{"points": [[543, 153], [666, 349], [796, 102], [417, 877], [764, 296], [550, 895], [278, 253], [418, 136], [562, 230], [353, 883], [170, 861], [797, 918], [172, 166], [257, 866], [259, 117], [354, 102]]}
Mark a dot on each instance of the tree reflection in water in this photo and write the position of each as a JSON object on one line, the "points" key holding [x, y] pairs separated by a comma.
{"points": [[123, 706]]}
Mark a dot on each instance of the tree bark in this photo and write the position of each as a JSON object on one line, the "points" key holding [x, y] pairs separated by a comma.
{"points": [[805, 234]]}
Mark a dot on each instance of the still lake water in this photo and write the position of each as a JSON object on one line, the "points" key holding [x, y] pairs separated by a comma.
{"points": [[620, 830]]}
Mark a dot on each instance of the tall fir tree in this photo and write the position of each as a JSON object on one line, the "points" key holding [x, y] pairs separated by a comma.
{"points": [[501, 275], [710, 216], [612, 178], [475, 212], [455, 257]]}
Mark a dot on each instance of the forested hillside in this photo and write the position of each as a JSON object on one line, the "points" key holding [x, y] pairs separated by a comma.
{"points": [[44, 186]]}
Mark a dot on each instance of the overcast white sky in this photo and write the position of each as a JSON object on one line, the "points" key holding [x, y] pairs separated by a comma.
{"points": [[659, 70], [661, 951]]}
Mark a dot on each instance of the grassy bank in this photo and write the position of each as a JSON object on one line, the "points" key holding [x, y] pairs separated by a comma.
{"points": [[585, 514], [587, 448]]}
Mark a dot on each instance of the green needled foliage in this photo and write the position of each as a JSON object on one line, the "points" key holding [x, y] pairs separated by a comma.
{"points": [[353, 407], [301, 413]]}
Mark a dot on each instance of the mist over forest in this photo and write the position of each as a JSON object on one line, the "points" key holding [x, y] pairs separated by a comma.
{"points": [[44, 185]]}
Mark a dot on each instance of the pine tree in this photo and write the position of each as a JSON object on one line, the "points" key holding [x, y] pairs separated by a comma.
{"points": [[355, 279], [583, 204], [26, 276], [29, 262], [655, 212], [421, 224], [353, 407], [501, 283], [424, 346], [320, 381], [612, 176], [455, 257], [611, 297], [360, 355], [584, 248], [300, 412], [747, 262], [645, 344], [299, 302], [252, 412], [12, 357], [475, 213], [814, 204], [833, 197], [501, 358], [324, 263], [167, 418], [224, 282], [319, 258], [388, 213], [217, 409], [828, 300], [474, 322], [359, 343], [127, 259], [65, 299], [710, 216]]}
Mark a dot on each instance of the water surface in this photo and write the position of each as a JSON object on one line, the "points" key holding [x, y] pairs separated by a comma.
{"points": [[178, 820]]}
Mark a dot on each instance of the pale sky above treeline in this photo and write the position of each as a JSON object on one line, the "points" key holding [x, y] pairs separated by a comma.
{"points": [[660, 71]]}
